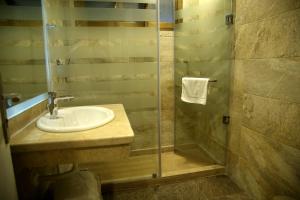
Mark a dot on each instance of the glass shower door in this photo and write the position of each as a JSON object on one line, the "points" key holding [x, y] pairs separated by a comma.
{"points": [[202, 49], [105, 52]]}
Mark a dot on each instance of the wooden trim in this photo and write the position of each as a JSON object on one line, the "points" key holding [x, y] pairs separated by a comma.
{"points": [[113, 60], [27, 23], [84, 4], [22, 62], [110, 23], [179, 21], [178, 4], [82, 155], [138, 152], [165, 26]]}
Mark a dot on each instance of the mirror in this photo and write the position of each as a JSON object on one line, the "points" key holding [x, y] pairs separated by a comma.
{"points": [[22, 58]]}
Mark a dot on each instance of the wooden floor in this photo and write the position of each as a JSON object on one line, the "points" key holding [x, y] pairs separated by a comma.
{"points": [[146, 166], [189, 161]]}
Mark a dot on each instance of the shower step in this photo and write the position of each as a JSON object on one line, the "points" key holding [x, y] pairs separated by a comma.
{"points": [[169, 177]]}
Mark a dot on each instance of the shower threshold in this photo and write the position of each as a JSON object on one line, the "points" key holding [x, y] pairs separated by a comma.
{"points": [[177, 163], [142, 167]]}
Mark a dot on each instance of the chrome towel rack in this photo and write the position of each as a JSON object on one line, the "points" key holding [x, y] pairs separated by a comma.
{"points": [[211, 81]]}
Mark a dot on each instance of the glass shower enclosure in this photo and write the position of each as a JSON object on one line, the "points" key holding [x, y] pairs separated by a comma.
{"points": [[106, 52], [203, 49]]}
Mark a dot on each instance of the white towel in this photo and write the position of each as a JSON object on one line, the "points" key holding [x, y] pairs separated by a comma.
{"points": [[194, 90]]}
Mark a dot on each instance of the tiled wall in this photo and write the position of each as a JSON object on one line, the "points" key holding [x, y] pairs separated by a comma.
{"points": [[167, 87], [264, 140]]}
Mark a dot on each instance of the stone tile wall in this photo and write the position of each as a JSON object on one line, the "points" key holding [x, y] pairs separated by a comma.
{"points": [[167, 87], [264, 139]]}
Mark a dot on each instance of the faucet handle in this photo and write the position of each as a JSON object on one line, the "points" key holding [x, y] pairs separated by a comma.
{"points": [[51, 96], [63, 98]]}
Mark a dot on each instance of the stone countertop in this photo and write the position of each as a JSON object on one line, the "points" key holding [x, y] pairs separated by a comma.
{"points": [[117, 132]]}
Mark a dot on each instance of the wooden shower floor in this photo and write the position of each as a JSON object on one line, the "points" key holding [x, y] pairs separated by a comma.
{"points": [[144, 166], [192, 160]]}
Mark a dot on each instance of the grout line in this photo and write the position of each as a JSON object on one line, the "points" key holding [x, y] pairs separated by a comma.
{"points": [[272, 98], [268, 58], [270, 139]]}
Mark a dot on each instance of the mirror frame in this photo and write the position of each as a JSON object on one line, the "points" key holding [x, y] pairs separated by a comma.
{"points": [[29, 103], [25, 105]]}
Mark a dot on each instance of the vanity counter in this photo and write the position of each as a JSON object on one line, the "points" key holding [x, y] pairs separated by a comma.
{"points": [[117, 132]]}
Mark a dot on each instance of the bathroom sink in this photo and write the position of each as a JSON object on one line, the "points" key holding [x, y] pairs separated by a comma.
{"points": [[76, 119]]}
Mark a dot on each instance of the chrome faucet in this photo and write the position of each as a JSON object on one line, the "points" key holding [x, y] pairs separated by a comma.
{"points": [[12, 99], [53, 103]]}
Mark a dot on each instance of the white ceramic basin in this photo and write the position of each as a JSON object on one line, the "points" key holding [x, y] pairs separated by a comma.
{"points": [[76, 119]]}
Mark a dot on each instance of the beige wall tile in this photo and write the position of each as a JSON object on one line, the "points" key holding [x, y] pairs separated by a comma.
{"points": [[251, 181], [253, 10], [234, 132], [275, 78], [264, 147], [274, 37], [276, 164], [232, 167], [236, 89], [167, 87], [261, 114], [289, 125]]}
